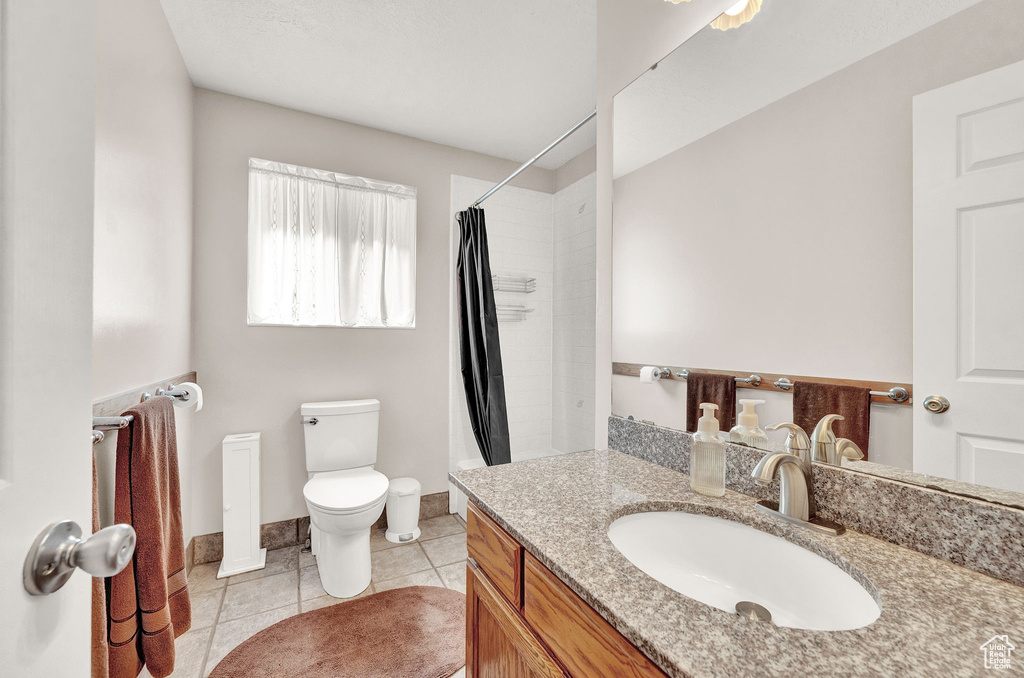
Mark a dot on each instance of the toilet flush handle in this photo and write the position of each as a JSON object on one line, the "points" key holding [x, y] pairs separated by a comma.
{"points": [[311, 421]]}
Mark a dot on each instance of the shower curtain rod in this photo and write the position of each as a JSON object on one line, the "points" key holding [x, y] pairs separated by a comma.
{"points": [[535, 158]]}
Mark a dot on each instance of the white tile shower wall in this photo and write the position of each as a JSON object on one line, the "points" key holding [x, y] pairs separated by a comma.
{"points": [[573, 316], [520, 237]]}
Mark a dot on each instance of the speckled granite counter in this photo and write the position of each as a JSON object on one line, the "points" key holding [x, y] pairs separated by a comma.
{"points": [[935, 615]]}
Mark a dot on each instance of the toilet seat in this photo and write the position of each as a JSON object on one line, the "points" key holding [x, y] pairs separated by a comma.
{"points": [[348, 491]]}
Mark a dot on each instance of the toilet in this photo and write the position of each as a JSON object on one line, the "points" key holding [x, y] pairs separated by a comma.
{"points": [[344, 494]]}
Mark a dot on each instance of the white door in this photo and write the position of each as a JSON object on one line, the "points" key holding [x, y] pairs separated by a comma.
{"points": [[47, 84], [969, 279]]}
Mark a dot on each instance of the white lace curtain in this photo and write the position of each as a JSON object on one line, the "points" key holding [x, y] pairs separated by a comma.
{"points": [[329, 249]]}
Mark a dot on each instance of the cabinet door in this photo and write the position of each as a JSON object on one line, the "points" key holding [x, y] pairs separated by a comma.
{"points": [[498, 642], [583, 641]]}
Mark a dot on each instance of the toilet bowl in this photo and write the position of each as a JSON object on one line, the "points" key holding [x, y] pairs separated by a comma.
{"points": [[343, 506]]}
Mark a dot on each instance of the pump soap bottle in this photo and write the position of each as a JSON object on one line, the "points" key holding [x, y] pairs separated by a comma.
{"points": [[746, 431], [707, 462]]}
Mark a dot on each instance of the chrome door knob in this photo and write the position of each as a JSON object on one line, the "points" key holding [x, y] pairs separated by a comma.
{"points": [[936, 404], [59, 549]]}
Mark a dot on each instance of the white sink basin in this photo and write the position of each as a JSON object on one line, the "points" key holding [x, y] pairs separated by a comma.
{"points": [[721, 563]]}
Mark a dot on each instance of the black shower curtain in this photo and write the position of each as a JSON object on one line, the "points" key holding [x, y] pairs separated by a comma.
{"points": [[478, 339]]}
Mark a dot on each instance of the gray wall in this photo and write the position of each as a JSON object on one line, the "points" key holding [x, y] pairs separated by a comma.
{"points": [[800, 211], [255, 378], [142, 298]]}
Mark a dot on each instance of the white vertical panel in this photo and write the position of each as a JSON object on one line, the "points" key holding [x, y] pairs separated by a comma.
{"points": [[241, 459], [968, 281]]}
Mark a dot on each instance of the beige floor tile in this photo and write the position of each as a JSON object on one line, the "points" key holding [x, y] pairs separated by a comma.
{"points": [[425, 578], [259, 595], [461, 673], [190, 651], [229, 635], [446, 550], [203, 579], [306, 559], [398, 562], [378, 542], [309, 584], [440, 527], [205, 607], [278, 561], [454, 576], [327, 601]]}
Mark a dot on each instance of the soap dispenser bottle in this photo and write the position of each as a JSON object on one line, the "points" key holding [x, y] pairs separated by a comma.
{"points": [[707, 461], [746, 431]]}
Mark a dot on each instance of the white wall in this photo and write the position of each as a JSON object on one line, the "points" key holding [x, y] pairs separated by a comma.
{"points": [[574, 315], [256, 377], [782, 242], [631, 37], [142, 314]]}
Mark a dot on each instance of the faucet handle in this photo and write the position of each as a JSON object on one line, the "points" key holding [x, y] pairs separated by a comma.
{"points": [[823, 431], [848, 449], [797, 441]]}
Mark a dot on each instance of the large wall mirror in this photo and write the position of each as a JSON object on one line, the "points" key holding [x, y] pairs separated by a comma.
{"points": [[835, 189]]}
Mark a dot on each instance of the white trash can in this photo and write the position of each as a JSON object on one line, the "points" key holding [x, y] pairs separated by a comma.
{"points": [[403, 507]]}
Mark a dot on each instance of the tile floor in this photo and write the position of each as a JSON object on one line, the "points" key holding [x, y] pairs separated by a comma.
{"points": [[226, 612]]}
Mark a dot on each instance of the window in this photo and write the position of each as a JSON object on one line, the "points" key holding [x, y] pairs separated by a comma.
{"points": [[326, 249]]}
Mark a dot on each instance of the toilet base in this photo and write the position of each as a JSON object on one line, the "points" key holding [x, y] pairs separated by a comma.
{"points": [[343, 561]]}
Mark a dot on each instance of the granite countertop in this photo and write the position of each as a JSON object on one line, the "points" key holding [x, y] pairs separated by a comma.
{"points": [[935, 615]]}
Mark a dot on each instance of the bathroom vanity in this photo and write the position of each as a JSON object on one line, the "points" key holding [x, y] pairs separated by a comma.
{"points": [[549, 594], [523, 621]]}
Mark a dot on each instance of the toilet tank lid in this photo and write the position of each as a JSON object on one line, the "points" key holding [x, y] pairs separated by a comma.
{"points": [[339, 407]]}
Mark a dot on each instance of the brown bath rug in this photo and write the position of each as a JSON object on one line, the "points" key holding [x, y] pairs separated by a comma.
{"points": [[413, 632]]}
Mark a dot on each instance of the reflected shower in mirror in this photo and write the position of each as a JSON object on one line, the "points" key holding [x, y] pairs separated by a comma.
{"points": [[836, 189]]}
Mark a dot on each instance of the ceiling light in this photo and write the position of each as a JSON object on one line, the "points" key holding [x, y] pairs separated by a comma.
{"points": [[737, 15]]}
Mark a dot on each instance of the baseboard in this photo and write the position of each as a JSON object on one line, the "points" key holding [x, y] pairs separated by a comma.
{"points": [[209, 548]]}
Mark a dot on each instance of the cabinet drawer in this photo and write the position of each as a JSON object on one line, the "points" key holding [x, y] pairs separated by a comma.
{"points": [[578, 637], [498, 555]]}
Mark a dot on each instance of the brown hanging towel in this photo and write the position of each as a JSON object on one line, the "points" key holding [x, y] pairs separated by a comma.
{"points": [[813, 401], [148, 600], [720, 389]]}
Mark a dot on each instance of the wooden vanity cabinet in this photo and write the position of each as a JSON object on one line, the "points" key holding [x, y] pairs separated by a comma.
{"points": [[523, 622], [499, 644]]}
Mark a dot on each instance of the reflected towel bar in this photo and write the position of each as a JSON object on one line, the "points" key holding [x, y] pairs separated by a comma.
{"points": [[881, 392], [897, 394], [753, 380]]}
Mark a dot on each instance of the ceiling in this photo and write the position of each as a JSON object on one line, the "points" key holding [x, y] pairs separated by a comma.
{"points": [[717, 77], [501, 78]]}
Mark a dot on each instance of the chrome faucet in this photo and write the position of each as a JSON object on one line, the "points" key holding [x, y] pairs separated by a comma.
{"points": [[829, 449], [796, 488]]}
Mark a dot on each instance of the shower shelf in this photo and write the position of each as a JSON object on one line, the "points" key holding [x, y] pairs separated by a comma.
{"points": [[509, 283], [512, 313]]}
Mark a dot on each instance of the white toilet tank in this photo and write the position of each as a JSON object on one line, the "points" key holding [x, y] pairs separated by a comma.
{"points": [[344, 435]]}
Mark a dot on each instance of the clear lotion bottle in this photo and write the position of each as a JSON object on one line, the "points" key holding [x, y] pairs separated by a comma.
{"points": [[707, 461], [746, 431]]}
